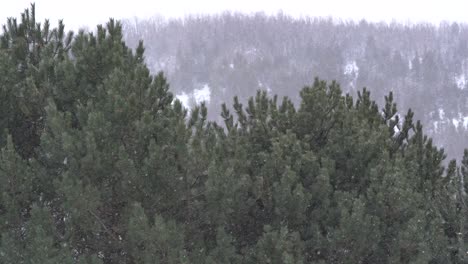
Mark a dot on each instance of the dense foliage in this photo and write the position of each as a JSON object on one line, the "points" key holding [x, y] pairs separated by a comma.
{"points": [[99, 164], [426, 65]]}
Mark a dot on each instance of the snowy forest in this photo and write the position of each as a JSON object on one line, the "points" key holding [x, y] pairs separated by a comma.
{"points": [[426, 66], [210, 140]]}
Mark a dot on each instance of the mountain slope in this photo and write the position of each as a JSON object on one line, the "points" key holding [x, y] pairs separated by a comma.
{"points": [[234, 54]]}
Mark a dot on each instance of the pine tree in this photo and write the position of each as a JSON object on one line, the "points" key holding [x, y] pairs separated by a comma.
{"points": [[120, 172]]}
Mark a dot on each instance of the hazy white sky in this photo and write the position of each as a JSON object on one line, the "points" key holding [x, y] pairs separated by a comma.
{"points": [[77, 13]]}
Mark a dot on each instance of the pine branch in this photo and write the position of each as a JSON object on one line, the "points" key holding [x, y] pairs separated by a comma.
{"points": [[103, 225]]}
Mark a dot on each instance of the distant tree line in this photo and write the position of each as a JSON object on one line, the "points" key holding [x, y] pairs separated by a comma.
{"points": [[426, 66], [100, 164]]}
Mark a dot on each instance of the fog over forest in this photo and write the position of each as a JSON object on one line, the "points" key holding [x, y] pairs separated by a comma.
{"points": [[426, 66], [233, 138]]}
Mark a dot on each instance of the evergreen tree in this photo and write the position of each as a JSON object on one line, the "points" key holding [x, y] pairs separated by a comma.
{"points": [[120, 172]]}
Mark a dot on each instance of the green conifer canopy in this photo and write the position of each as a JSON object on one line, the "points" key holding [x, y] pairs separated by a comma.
{"points": [[99, 164]]}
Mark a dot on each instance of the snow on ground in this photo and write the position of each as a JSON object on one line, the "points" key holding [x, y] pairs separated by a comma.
{"points": [[460, 121], [184, 99], [465, 121], [198, 96], [262, 86], [441, 113], [203, 94], [350, 68], [394, 117], [461, 81]]}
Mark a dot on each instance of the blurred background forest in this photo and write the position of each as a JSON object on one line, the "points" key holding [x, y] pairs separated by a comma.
{"points": [[213, 58]]}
